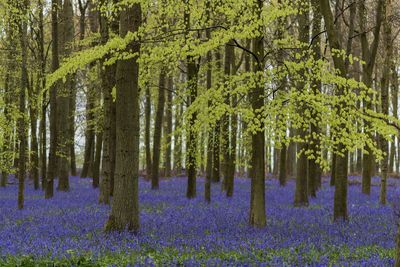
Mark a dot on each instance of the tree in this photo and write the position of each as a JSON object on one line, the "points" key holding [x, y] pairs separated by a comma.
{"points": [[23, 28], [369, 53], [108, 83], [340, 197], [385, 97], [191, 145], [66, 33], [52, 168], [257, 201], [125, 204], [155, 173], [301, 194]]}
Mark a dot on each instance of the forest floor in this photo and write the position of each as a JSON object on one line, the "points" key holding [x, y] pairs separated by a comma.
{"points": [[68, 229]]}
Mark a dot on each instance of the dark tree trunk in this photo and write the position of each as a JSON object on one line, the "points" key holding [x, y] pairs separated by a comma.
{"points": [[125, 205], [178, 139], [333, 169], [42, 81], [301, 194], [191, 145], [257, 199], [282, 165], [394, 96], [52, 169], [369, 54], [155, 172], [66, 33], [97, 160], [385, 100], [291, 155], [313, 167], [216, 169], [21, 127], [225, 125], [340, 198], [168, 129], [147, 132], [108, 82], [89, 136]]}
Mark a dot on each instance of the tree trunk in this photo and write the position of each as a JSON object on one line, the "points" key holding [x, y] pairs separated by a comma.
{"points": [[22, 107], [178, 139], [282, 165], [301, 194], [52, 168], [216, 169], [369, 53], [257, 200], [168, 128], [107, 82], [66, 33], [385, 99], [394, 95], [97, 160], [313, 167], [42, 81], [147, 132], [158, 123], [125, 205], [191, 145], [340, 197]]}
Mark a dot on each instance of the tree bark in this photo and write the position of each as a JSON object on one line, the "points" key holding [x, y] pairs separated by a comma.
{"points": [[191, 145], [108, 83], [158, 123], [340, 197], [21, 128], [125, 205], [168, 129], [369, 53], [385, 98], [66, 33], [257, 200], [52, 168]]}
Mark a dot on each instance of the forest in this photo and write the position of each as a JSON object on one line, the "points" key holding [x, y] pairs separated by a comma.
{"points": [[199, 133]]}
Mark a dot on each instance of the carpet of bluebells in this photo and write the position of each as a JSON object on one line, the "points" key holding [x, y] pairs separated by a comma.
{"points": [[68, 230]]}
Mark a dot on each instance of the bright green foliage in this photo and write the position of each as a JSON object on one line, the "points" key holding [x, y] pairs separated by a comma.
{"points": [[165, 43]]}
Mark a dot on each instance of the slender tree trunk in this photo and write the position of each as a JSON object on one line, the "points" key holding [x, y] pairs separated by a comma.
{"points": [[385, 98], [66, 33], [282, 165], [191, 145], [147, 132], [178, 139], [210, 146], [369, 53], [168, 129], [52, 169], [301, 194], [257, 200], [216, 169], [313, 167], [125, 205], [42, 81], [34, 155], [108, 82], [97, 160], [340, 197], [394, 95], [155, 173], [22, 107]]}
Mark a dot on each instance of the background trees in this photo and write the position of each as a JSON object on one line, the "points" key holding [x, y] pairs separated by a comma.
{"points": [[237, 88]]}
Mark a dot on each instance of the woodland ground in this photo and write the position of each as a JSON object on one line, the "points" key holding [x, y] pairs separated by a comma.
{"points": [[67, 230]]}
